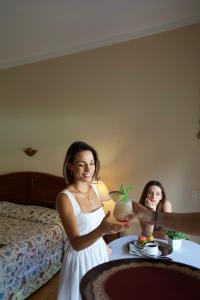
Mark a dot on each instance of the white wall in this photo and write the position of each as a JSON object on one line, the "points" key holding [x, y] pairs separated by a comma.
{"points": [[137, 102]]}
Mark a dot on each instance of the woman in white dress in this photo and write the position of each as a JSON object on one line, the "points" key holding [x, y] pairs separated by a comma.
{"points": [[83, 219]]}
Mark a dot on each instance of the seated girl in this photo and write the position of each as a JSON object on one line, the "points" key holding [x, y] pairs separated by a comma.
{"points": [[154, 197]]}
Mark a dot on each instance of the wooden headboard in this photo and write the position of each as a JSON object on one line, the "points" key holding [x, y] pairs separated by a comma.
{"points": [[31, 188]]}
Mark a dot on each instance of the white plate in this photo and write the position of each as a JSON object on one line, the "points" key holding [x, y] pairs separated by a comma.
{"points": [[137, 244], [165, 248], [143, 251]]}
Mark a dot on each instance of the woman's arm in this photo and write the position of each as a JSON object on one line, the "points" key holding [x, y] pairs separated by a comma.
{"points": [[147, 229], [185, 222], [160, 232], [68, 219]]}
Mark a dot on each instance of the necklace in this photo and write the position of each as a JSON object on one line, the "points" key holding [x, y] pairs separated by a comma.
{"points": [[81, 192], [86, 194], [88, 200]]}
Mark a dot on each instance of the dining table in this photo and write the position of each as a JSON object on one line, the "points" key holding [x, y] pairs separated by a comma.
{"points": [[130, 274], [188, 254]]}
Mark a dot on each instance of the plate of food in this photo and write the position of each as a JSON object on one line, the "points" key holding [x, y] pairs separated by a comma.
{"points": [[164, 248], [137, 244], [142, 240]]}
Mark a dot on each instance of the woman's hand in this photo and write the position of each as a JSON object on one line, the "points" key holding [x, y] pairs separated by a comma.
{"points": [[108, 227], [142, 213], [148, 203]]}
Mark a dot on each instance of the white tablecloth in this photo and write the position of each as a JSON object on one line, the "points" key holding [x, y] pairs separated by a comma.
{"points": [[188, 254]]}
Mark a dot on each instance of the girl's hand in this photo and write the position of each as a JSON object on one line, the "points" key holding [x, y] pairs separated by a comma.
{"points": [[148, 203]]}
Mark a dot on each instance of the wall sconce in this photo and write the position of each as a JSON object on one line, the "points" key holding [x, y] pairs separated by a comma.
{"points": [[29, 151]]}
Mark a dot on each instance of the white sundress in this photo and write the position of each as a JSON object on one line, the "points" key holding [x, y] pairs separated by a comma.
{"points": [[76, 263]]}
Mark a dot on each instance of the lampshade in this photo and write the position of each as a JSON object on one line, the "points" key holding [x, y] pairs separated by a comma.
{"points": [[102, 190], [108, 203]]}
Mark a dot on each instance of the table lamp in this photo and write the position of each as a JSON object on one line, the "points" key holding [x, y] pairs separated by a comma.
{"points": [[108, 203]]}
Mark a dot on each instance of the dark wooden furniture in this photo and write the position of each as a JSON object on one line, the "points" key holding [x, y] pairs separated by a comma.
{"points": [[140, 278], [34, 188], [31, 188]]}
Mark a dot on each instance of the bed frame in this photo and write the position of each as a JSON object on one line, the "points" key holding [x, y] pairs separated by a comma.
{"points": [[35, 188], [31, 188]]}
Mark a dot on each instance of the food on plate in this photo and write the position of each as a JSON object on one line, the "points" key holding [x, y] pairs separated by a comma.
{"points": [[150, 238], [142, 240]]}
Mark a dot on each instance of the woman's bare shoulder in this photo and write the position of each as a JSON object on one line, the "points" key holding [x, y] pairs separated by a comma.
{"points": [[167, 206], [62, 199]]}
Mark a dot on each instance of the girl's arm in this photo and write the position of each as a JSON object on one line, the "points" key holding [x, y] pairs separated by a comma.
{"points": [[68, 219], [167, 207]]}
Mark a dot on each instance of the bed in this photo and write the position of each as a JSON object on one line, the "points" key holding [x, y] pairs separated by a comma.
{"points": [[32, 239]]}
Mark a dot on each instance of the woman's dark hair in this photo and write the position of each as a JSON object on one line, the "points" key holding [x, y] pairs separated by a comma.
{"points": [[75, 148], [145, 192]]}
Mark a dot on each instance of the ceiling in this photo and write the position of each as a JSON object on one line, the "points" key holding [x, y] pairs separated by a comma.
{"points": [[35, 30]]}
